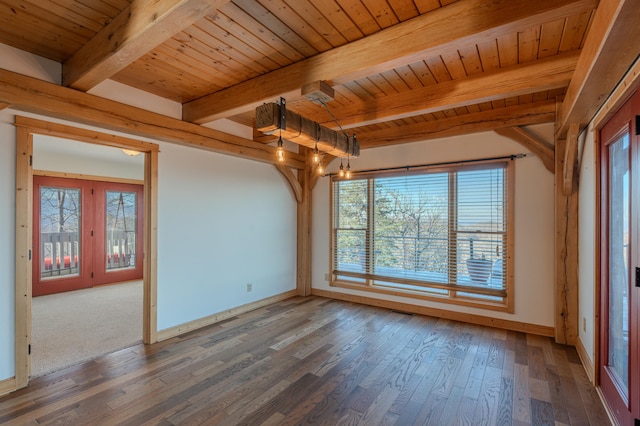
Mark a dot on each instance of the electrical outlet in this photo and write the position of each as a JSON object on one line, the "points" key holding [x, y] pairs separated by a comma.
{"points": [[584, 324], [249, 288], [326, 277]]}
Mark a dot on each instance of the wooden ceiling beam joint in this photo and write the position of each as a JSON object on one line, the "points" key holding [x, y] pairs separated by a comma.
{"points": [[40, 97], [608, 50], [427, 35], [137, 30], [483, 121]]}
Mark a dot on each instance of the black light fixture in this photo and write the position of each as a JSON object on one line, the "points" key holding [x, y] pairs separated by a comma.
{"points": [[282, 124]]}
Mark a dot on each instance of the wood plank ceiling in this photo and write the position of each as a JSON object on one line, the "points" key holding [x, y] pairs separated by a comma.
{"points": [[402, 70]]}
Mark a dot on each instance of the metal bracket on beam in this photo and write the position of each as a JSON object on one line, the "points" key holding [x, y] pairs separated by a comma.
{"points": [[282, 124]]}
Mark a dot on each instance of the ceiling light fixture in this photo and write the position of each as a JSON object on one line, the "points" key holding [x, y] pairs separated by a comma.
{"points": [[282, 124], [131, 152]]}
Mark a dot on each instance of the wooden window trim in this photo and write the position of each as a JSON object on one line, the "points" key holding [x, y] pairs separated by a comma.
{"points": [[508, 302]]}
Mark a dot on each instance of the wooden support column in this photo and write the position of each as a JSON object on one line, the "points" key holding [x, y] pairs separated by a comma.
{"points": [[24, 243], [566, 252], [570, 156], [303, 276], [150, 294]]}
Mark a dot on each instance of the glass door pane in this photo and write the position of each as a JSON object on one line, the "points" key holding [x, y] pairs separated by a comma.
{"points": [[120, 238], [60, 251], [619, 198]]}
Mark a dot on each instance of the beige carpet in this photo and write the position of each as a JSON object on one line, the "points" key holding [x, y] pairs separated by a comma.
{"points": [[76, 326]]}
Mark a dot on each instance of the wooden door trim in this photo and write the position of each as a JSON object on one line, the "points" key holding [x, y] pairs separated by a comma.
{"points": [[25, 129], [68, 175]]}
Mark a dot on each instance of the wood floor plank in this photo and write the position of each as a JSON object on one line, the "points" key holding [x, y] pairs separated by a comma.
{"points": [[521, 394], [505, 402], [489, 400], [320, 361], [541, 413]]}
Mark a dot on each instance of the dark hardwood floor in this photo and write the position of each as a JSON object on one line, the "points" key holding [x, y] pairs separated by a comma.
{"points": [[320, 361]]}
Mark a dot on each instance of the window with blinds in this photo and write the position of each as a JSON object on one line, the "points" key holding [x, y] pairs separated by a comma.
{"points": [[440, 232]]}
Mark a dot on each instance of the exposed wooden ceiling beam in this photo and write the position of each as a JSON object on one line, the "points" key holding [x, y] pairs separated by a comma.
{"points": [[139, 28], [425, 36], [542, 149], [29, 94], [484, 121], [546, 74], [610, 46]]}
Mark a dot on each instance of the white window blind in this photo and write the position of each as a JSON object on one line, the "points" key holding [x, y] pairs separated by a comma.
{"points": [[438, 230]]}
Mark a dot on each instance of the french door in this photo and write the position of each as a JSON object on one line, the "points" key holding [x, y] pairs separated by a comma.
{"points": [[619, 353], [86, 233]]}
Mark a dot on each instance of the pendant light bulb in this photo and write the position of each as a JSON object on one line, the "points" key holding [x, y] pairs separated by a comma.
{"points": [[280, 151], [316, 154], [348, 173], [341, 170], [320, 169]]}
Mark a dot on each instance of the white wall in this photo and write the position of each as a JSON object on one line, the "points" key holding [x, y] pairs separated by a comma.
{"points": [[587, 243], [223, 222], [62, 155], [534, 219]]}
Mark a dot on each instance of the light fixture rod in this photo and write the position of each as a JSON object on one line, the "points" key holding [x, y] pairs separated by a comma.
{"points": [[282, 124]]}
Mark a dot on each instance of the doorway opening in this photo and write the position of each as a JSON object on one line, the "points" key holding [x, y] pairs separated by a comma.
{"points": [[86, 233], [135, 255]]}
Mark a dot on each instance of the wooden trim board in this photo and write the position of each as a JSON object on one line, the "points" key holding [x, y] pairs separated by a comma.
{"points": [[178, 330], [586, 361], [81, 176], [7, 385], [439, 313]]}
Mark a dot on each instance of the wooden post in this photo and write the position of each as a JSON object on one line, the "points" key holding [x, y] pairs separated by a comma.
{"points": [[150, 294], [566, 252], [24, 243], [303, 278]]}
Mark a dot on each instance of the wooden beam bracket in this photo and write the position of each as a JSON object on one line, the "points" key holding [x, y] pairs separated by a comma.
{"points": [[543, 150], [292, 179]]}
